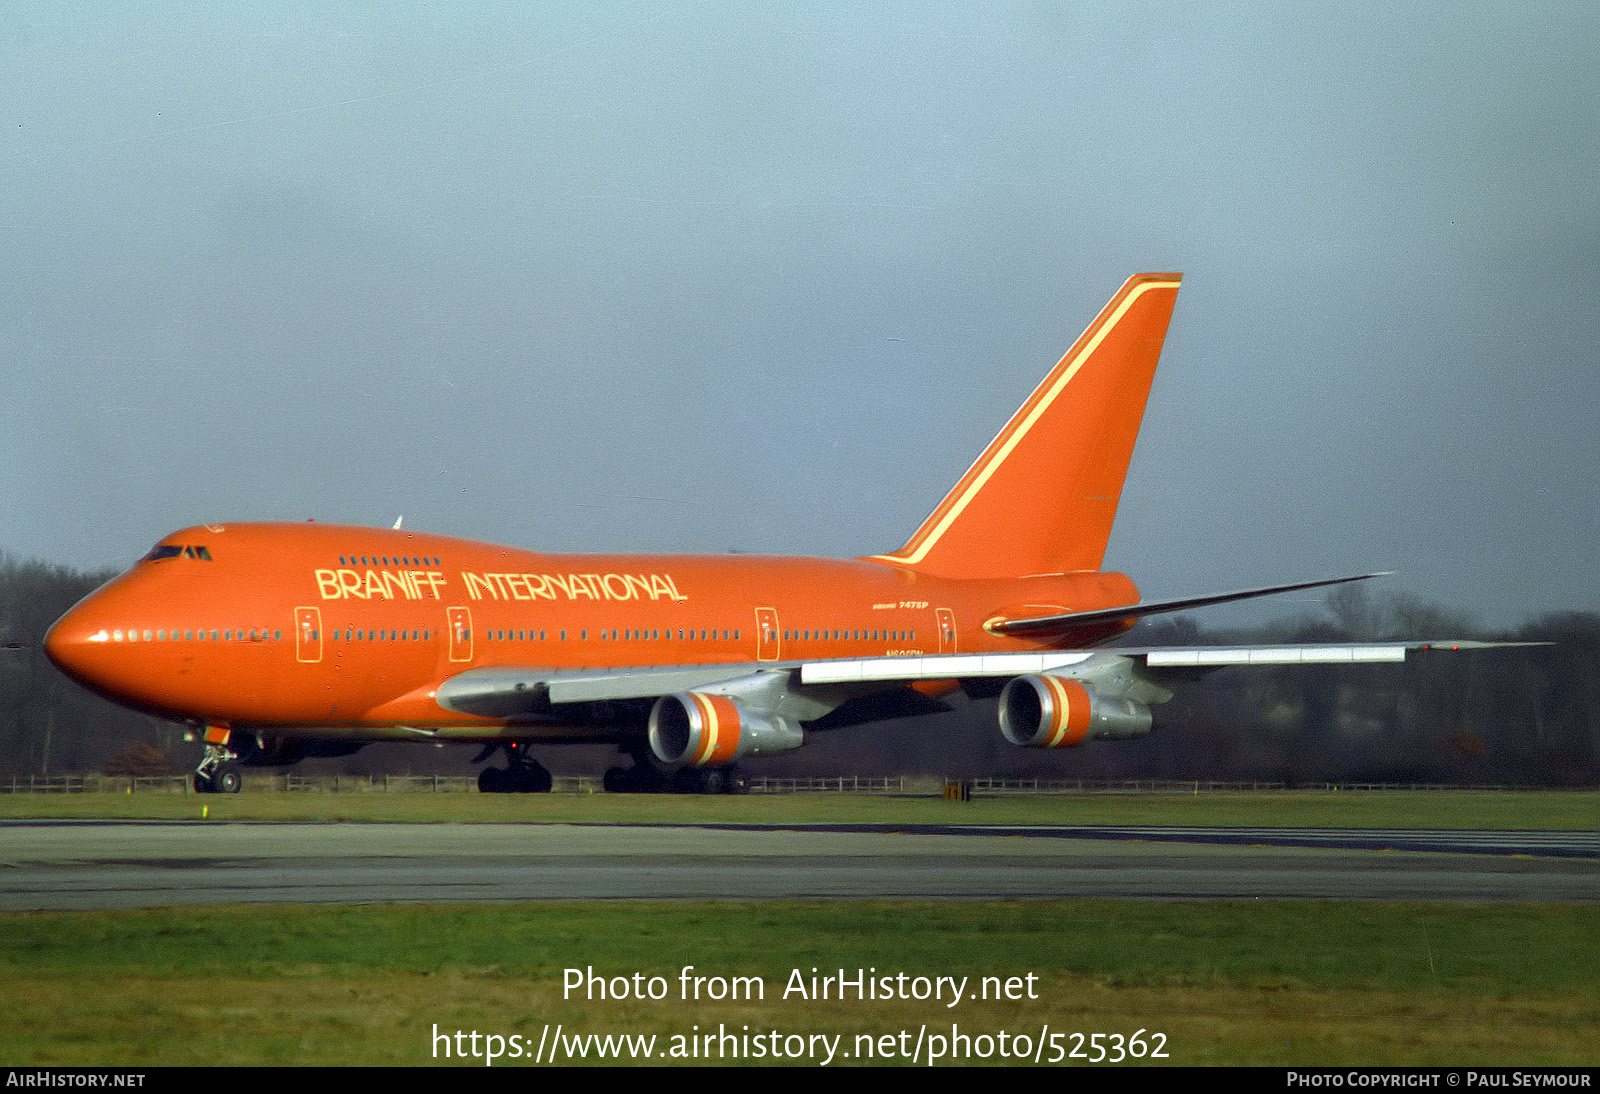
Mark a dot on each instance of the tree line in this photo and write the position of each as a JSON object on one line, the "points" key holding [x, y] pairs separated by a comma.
{"points": [[1522, 716], [48, 724]]}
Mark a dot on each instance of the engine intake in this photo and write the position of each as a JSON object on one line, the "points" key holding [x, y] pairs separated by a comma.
{"points": [[1044, 711], [699, 729]]}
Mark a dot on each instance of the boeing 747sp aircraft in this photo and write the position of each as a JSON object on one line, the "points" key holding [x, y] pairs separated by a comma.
{"points": [[277, 641]]}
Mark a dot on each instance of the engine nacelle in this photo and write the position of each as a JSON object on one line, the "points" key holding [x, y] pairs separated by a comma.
{"points": [[1044, 711], [699, 729]]}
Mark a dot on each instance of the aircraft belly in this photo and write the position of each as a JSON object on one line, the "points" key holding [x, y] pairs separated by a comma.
{"points": [[550, 732]]}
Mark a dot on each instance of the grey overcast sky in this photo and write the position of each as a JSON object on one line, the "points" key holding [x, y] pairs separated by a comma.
{"points": [[712, 276]]}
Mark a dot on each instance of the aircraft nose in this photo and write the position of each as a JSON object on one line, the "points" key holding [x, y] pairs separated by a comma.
{"points": [[77, 642]]}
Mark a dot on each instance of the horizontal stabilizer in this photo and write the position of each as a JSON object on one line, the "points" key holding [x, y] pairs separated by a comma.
{"points": [[1053, 624]]}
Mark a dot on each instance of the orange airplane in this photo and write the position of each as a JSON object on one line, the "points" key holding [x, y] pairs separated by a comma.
{"points": [[278, 641]]}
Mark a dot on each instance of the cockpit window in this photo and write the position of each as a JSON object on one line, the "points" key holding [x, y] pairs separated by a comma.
{"points": [[173, 550]]}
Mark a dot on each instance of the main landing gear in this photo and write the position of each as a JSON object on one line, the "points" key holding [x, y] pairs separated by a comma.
{"points": [[642, 778], [521, 775]]}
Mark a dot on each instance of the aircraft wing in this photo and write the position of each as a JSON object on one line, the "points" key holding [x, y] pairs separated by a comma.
{"points": [[961, 666], [508, 692], [964, 666], [710, 715]]}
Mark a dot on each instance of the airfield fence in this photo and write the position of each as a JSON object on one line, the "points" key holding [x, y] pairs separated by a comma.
{"points": [[585, 784]]}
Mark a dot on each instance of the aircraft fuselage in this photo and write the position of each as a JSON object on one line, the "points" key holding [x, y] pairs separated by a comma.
{"points": [[327, 629]]}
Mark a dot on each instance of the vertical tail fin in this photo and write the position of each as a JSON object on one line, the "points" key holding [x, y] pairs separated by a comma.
{"points": [[1042, 496]]}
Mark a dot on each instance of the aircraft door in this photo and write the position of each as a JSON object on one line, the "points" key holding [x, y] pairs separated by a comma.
{"points": [[308, 635], [947, 629], [460, 622], [768, 644]]}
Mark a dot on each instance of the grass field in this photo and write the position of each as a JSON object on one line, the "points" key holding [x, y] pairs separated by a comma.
{"points": [[1525, 810], [1238, 983], [1275, 982]]}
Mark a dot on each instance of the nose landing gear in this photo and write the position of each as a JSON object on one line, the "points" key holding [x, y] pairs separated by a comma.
{"points": [[218, 773]]}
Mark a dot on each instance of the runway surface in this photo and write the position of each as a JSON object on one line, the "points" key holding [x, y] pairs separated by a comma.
{"points": [[103, 864]]}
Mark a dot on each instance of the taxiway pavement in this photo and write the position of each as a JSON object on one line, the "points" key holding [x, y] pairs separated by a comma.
{"points": [[103, 865]]}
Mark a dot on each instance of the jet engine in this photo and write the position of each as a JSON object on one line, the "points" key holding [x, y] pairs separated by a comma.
{"points": [[699, 729], [1045, 711]]}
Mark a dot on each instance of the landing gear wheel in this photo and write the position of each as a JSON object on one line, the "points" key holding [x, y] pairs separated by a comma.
{"points": [[639, 779], [644, 778], [523, 777], [218, 773], [534, 780]]}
